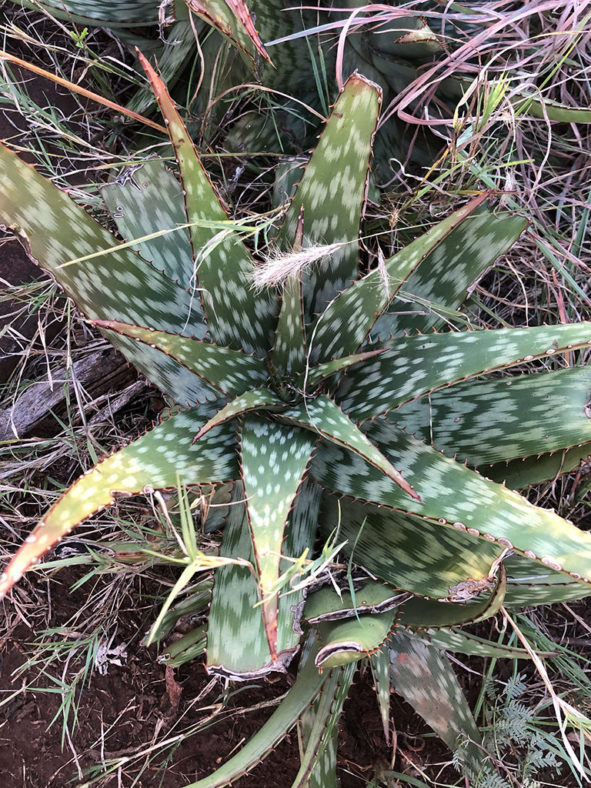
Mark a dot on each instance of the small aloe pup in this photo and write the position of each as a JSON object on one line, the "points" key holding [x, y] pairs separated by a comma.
{"points": [[324, 402]]}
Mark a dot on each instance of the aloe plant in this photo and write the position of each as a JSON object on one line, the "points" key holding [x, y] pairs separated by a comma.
{"points": [[293, 51], [322, 398]]}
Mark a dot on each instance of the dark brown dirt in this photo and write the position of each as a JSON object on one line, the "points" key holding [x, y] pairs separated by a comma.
{"points": [[136, 704], [137, 697]]}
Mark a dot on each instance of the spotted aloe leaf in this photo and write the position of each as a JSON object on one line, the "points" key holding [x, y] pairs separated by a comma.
{"points": [[442, 279], [223, 277], [229, 371], [104, 281], [502, 516], [274, 459], [487, 422], [324, 417], [253, 400], [300, 533], [415, 366], [531, 584], [161, 458], [330, 198], [319, 729], [519, 474], [83, 257], [408, 552], [304, 692], [289, 350], [425, 679], [467, 643], [106, 13], [171, 55], [321, 372], [232, 18], [147, 200], [237, 645], [349, 318], [349, 640]]}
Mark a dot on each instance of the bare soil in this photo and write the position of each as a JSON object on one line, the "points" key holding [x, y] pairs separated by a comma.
{"points": [[134, 704]]}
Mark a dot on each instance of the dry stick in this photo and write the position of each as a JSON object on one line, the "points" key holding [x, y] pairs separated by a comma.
{"points": [[82, 91]]}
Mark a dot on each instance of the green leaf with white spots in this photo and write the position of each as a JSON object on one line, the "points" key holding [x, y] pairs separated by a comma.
{"points": [[456, 498], [274, 459], [304, 692], [237, 645], [408, 552], [529, 583], [176, 381], [163, 457], [229, 371], [171, 55], [300, 534], [289, 350], [328, 605], [324, 417], [348, 319], [425, 679], [380, 664], [332, 192], [444, 277], [486, 422], [519, 474], [467, 643], [415, 366], [255, 399], [319, 730], [114, 284], [232, 18], [123, 13], [318, 374], [146, 200], [288, 173], [351, 639], [236, 315]]}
